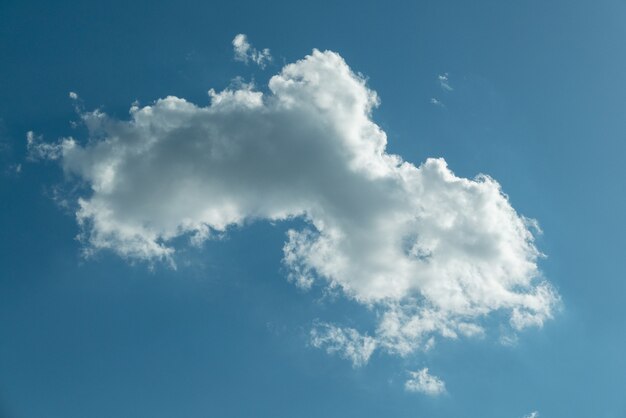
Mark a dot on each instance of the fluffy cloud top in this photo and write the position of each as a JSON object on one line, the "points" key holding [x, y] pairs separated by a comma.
{"points": [[433, 252], [244, 52], [423, 382]]}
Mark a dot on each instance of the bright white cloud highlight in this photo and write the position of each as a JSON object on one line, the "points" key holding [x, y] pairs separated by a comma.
{"points": [[245, 52], [533, 414], [423, 382], [433, 253]]}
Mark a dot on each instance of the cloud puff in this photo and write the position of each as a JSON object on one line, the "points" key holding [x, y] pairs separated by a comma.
{"points": [[244, 52], [348, 342], [432, 252], [436, 102], [444, 82], [533, 414], [38, 150], [423, 382]]}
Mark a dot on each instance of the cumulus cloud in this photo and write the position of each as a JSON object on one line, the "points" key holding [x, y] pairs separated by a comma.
{"points": [[433, 253], [423, 382], [533, 414], [245, 52]]}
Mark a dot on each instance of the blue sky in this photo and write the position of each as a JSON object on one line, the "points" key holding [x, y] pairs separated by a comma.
{"points": [[529, 93]]}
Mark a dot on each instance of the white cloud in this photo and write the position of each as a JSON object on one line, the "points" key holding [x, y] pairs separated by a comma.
{"points": [[533, 414], [73, 95], [348, 342], [423, 382], [509, 339], [444, 82], [38, 150], [436, 102], [432, 252], [244, 52]]}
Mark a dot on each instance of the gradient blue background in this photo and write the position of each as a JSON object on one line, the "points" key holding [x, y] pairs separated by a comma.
{"points": [[539, 103]]}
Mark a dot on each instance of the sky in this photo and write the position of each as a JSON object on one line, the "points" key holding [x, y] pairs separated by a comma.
{"points": [[272, 209]]}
